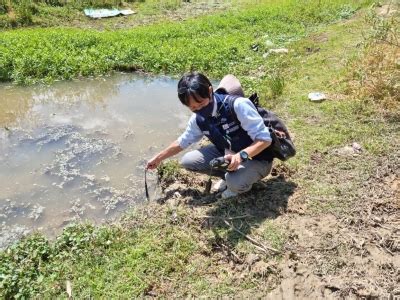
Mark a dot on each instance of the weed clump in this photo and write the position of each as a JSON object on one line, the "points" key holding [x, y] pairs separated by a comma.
{"points": [[276, 84], [168, 172], [376, 75]]}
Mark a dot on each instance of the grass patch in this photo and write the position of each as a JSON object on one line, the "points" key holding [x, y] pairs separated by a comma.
{"points": [[355, 63], [97, 261], [227, 41], [23, 13]]}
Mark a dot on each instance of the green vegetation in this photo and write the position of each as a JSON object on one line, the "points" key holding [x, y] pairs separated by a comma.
{"points": [[47, 54], [107, 257], [27, 12], [168, 171], [44, 13], [183, 250]]}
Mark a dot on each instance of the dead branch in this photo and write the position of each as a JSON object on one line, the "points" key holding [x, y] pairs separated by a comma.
{"points": [[258, 244], [223, 218]]}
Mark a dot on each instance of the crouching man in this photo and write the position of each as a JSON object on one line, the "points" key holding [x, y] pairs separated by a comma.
{"points": [[234, 128]]}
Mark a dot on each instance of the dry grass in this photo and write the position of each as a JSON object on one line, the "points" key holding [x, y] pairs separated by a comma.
{"points": [[376, 76]]}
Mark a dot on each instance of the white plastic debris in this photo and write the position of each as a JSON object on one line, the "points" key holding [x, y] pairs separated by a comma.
{"points": [[279, 51], [316, 96], [69, 288], [106, 13]]}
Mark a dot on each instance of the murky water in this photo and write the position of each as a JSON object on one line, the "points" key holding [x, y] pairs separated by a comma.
{"points": [[76, 150]]}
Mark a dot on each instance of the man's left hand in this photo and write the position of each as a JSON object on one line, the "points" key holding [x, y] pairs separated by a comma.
{"points": [[234, 160]]}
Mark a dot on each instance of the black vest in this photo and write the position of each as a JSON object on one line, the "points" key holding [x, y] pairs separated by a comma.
{"points": [[225, 131]]}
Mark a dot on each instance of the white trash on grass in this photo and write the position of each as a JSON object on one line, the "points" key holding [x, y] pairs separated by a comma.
{"points": [[316, 96], [105, 13]]}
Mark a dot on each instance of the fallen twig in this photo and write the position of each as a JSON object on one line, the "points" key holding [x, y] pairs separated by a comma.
{"points": [[258, 244], [223, 218], [220, 243], [385, 227]]}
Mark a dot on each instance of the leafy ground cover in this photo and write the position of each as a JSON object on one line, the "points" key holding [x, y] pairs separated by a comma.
{"points": [[44, 13], [326, 224], [231, 42]]}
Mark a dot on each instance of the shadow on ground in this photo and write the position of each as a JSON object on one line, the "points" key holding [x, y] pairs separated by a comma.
{"points": [[236, 216], [240, 214]]}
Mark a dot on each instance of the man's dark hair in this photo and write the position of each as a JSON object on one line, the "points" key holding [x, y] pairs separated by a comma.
{"points": [[193, 85]]}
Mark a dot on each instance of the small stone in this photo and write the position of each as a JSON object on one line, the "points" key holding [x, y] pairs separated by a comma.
{"points": [[174, 217], [252, 258], [177, 195], [354, 150], [356, 147], [345, 151]]}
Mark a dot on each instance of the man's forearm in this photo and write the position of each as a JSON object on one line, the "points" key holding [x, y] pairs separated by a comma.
{"points": [[256, 147], [171, 150]]}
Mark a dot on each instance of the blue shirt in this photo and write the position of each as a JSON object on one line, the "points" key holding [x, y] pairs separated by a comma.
{"points": [[246, 113]]}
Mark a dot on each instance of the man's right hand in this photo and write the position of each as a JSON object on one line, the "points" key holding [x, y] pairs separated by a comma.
{"points": [[153, 163], [171, 150]]}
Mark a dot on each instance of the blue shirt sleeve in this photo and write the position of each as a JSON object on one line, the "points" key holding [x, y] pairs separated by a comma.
{"points": [[192, 134], [250, 120]]}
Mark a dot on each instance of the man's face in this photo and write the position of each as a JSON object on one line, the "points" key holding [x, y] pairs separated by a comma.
{"points": [[197, 105]]}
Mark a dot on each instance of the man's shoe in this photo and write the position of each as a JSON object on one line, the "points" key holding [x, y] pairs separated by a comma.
{"points": [[228, 194], [219, 186]]}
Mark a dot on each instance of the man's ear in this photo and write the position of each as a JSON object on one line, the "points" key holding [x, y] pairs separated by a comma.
{"points": [[210, 91]]}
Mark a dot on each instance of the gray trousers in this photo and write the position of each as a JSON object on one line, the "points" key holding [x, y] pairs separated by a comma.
{"points": [[239, 181]]}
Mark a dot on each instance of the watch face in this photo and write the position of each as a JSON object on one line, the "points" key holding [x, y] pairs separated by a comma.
{"points": [[244, 155]]}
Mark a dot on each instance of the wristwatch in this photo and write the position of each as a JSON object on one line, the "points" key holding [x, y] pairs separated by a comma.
{"points": [[244, 155]]}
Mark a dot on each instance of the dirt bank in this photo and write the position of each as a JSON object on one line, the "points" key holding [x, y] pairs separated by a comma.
{"points": [[349, 250]]}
